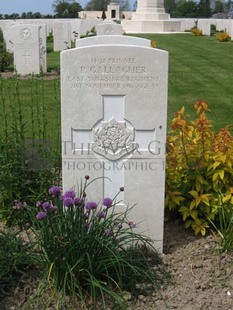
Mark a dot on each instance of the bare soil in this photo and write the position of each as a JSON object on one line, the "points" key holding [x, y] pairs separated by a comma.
{"points": [[201, 278]]}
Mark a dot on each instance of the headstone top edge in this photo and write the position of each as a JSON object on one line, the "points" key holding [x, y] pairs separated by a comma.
{"points": [[116, 35], [116, 46]]}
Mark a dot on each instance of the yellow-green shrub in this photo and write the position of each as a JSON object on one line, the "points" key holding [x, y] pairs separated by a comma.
{"points": [[222, 37], [199, 166], [196, 32], [153, 44]]}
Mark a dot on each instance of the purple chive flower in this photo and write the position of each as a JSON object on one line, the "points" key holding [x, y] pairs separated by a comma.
{"points": [[108, 232], [41, 216], [87, 177], [70, 194], [55, 191], [122, 189], [38, 204], [78, 201], [46, 205], [17, 205], [68, 201], [91, 205], [132, 224], [101, 215], [107, 202]]}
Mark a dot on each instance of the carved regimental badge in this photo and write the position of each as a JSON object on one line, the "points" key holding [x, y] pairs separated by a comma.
{"points": [[109, 31], [25, 33], [113, 139]]}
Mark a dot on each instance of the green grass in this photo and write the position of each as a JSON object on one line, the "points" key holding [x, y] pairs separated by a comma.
{"points": [[53, 61], [34, 96], [199, 67]]}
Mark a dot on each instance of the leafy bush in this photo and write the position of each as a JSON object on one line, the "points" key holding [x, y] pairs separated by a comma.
{"points": [[1, 36], [91, 250], [50, 38], [223, 37], [6, 59], [196, 32], [212, 29], [199, 165], [153, 44], [16, 258]]}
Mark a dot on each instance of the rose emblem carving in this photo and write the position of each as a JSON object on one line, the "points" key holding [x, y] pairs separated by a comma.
{"points": [[113, 139]]}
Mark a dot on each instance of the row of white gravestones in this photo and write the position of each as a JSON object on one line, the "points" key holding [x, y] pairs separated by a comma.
{"points": [[29, 47], [65, 31], [114, 112]]}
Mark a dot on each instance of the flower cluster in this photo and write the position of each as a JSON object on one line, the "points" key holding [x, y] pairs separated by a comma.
{"points": [[72, 206]]}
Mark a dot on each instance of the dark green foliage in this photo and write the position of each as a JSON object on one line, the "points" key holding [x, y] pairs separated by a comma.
{"points": [[204, 9], [219, 7], [6, 59], [103, 15], [1, 35], [188, 9], [66, 8], [97, 5], [212, 29], [50, 38], [170, 7], [16, 259]]}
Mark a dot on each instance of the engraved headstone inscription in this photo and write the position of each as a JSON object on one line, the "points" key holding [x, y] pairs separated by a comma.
{"points": [[114, 114]]}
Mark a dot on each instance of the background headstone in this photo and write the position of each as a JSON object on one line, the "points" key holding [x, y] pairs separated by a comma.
{"points": [[43, 47], [204, 25], [26, 49], [61, 35], [109, 28]]}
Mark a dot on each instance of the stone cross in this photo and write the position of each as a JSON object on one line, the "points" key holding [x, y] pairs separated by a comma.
{"points": [[113, 141]]}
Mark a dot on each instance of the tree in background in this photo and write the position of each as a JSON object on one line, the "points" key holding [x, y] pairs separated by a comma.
{"points": [[101, 5], [187, 9], [66, 8], [97, 5], [204, 9], [170, 7], [103, 15], [219, 7]]}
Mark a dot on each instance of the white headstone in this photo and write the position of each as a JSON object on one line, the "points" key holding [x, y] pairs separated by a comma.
{"points": [[43, 47], [114, 114], [26, 49], [61, 35], [8, 34], [204, 25], [231, 29], [108, 27]]}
